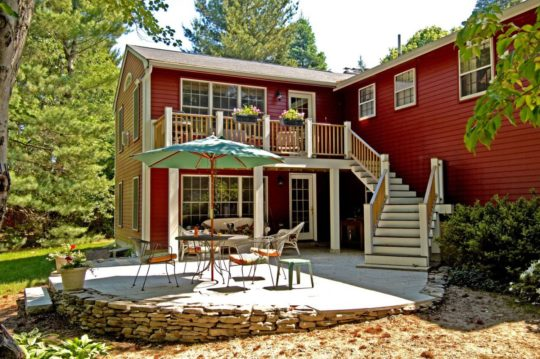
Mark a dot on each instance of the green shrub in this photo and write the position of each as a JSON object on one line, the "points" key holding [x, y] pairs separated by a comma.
{"points": [[528, 284], [35, 346], [499, 239]]}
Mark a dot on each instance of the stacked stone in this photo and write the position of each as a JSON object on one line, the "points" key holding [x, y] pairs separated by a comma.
{"points": [[171, 322]]}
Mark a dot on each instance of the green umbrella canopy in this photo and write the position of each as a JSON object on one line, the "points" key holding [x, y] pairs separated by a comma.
{"points": [[198, 154]]}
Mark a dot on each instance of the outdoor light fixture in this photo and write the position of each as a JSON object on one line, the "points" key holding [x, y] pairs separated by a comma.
{"points": [[279, 96], [280, 180]]}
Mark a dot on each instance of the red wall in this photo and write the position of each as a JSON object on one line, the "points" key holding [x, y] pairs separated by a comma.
{"points": [[159, 205], [435, 126], [166, 92]]}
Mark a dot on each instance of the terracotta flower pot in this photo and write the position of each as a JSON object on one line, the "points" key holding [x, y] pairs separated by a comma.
{"points": [[59, 261], [73, 279]]}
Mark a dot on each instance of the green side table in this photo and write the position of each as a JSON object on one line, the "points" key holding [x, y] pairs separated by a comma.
{"points": [[294, 263]]}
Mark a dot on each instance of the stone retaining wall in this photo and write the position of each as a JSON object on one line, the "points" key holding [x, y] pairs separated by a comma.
{"points": [[158, 322]]}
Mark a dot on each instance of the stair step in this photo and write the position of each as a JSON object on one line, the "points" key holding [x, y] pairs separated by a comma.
{"points": [[37, 300], [396, 250], [400, 208], [402, 194], [406, 261], [392, 174], [396, 181], [399, 187], [405, 200], [400, 216], [396, 241], [385, 223], [397, 232]]}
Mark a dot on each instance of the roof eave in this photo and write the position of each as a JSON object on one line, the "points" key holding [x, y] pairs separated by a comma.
{"points": [[507, 14]]}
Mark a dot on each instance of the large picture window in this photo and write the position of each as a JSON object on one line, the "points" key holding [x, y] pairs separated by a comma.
{"points": [[233, 198], [366, 102], [208, 98], [405, 89], [476, 73]]}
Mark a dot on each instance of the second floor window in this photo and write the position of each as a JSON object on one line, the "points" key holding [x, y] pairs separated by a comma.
{"points": [[366, 102], [208, 98], [405, 89], [476, 73]]}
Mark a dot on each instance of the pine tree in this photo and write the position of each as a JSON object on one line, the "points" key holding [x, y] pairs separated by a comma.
{"points": [[303, 49]]}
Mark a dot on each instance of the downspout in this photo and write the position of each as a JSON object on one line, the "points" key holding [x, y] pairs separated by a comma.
{"points": [[146, 145]]}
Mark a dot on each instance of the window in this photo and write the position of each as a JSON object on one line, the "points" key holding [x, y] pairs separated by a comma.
{"points": [[195, 97], [233, 198], [135, 207], [476, 73], [405, 89], [127, 81], [120, 129], [208, 98], [366, 102], [120, 204], [136, 112], [224, 98]]}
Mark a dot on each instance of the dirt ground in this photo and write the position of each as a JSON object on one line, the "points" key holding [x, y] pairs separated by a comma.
{"points": [[469, 324]]}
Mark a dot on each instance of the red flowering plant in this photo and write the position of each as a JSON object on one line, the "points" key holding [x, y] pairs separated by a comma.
{"points": [[74, 258]]}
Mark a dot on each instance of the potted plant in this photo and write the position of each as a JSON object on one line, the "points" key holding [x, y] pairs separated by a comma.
{"points": [[74, 271], [247, 114], [291, 117], [59, 258]]}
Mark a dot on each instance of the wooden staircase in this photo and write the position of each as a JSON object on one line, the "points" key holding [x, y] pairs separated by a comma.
{"points": [[399, 225]]}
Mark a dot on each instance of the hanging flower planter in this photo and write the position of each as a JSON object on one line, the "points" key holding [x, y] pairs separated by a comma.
{"points": [[292, 117], [247, 114]]}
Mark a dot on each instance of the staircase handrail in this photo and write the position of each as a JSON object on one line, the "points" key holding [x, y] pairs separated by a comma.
{"points": [[373, 210], [427, 206], [372, 163]]}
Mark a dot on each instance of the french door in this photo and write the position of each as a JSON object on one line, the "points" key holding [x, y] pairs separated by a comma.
{"points": [[303, 204], [303, 102]]}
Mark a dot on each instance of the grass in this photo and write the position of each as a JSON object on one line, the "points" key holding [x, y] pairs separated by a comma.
{"points": [[30, 267]]}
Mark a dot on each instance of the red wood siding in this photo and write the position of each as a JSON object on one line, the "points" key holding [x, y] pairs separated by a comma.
{"points": [[166, 92], [435, 126], [159, 205]]}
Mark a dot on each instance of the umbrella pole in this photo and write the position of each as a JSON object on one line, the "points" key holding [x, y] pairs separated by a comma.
{"points": [[212, 165]]}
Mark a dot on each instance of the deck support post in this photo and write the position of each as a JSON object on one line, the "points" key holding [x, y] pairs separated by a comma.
{"points": [[168, 126], [219, 124], [258, 203], [309, 137], [174, 187], [334, 211], [347, 140], [266, 133]]}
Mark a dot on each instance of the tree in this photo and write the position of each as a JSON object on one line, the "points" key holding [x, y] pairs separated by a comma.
{"points": [[360, 67], [256, 30], [303, 49], [420, 38], [482, 5], [516, 88], [15, 17]]}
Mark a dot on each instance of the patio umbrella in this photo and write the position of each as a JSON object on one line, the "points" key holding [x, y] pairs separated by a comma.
{"points": [[208, 153]]}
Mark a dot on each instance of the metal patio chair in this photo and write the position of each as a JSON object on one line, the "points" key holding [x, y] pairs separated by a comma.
{"points": [[151, 254]]}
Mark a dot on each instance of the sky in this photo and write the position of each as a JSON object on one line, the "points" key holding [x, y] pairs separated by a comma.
{"points": [[344, 29]]}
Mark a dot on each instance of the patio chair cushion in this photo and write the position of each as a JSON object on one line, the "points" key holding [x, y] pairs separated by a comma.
{"points": [[246, 259], [266, 252], [161, 259]]}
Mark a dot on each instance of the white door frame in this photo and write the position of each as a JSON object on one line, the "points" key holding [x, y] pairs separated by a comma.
{"points": [[312, 180], [310, 96]]}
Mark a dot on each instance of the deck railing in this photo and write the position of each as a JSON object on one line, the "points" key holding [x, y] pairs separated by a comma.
{"points": [[290, 140], [250, 133], [328, 139], [426, 208], [366, 156], [189, 127], [373, 209], [159, 132]]}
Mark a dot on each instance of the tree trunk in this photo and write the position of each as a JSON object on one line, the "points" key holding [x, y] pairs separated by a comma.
{"points": [[13, 31]]}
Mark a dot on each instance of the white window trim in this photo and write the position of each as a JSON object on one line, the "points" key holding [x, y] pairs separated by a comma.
{"points": [[313, 96], [120, 209], [133, 209], [211, 93], [181, 214], [413, 86], [491, 64], [121, 130], [127, 81], [361, 118]]}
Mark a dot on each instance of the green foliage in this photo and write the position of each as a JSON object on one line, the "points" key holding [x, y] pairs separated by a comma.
{"points": [[303, 49], [474, 278], [420, 38], [516, 88], [36, 346], [258, 30], [482, 5], [6, 9], [497, 240], [361, 65], [528, 285]]}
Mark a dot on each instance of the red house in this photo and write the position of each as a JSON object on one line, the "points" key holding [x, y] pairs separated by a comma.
{"points": [[381, 151]]}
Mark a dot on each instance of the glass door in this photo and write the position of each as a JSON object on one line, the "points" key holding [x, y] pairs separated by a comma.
{"points": [[302, 204], [303, 102]]}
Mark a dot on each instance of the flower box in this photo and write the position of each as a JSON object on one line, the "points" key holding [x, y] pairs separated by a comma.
{"points": [[291, 122], [246, 118]]}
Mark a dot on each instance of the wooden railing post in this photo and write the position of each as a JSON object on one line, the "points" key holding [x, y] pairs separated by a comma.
{"points": [[424, 230], [385, 166], [168, 126], [368, 231], [219, 123], [309, 137], [347, 139], [266, 133]]}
